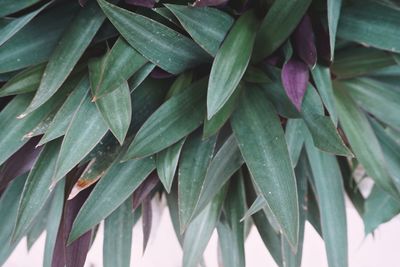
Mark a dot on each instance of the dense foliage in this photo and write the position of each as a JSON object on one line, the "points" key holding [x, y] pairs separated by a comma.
{"points": [[250, 112]]}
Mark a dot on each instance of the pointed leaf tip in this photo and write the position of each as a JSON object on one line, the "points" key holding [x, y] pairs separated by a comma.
{"points": [[295, 78]]}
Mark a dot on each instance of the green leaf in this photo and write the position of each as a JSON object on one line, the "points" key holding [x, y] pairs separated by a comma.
{"points": [[322, 78], [235, 205], [330, 197], [120, 63], [208, 35], [322, 129], [55, 213], [182, 82], [353, 62], [12, 130], [224, 164], [116, 110], [294, 135], [379, 99], [380, 207], [371, 23], [167, 162], [262, 143], [334, 7], [36, 189], [109, 193], [85, 130], [17, 24], [70, 48], [200, 230], [62, 119], [170, 122], [362, 139], [280, 21], [118, 236], [196, 157], [140, 75], [24, 82], [8, 215], [231, 62], [391, 152], [161, 45], [42, 35], [213, 125], [8, 7]]}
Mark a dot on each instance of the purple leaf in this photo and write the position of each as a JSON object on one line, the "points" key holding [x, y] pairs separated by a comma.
{"points": [[295, 77], [144, 190], [143, 3], [74, 254], [304, 42], [147, 218], [20, 162], [158, 73], [203, 3]]}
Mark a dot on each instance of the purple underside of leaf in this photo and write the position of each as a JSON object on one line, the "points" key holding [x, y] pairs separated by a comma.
{"points": [[144, 190], [20, 162], [158, 73], [73, 255], [304, 41], [203, 3], [147, 219], [295, 77], [143, 3]]}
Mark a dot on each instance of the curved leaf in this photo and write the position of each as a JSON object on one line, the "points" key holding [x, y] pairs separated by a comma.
{"points": [[163, 46], [110, 193], [231, 62], [209, 36]]}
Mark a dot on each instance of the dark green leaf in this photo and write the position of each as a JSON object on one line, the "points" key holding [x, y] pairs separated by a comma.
{"points": [[62, 119], [322, 78], [213, 125], [280, 21], [115, 68], [324, 133], [110, 193], [358, 61], [55, 214], [17, 24], [196, 157], [85, 130], [381, 100], [379, 208], [330, 197], [116, 110], [295, 134], [170, 122], [200, 230], [262, 143], [167, 162], [334, 7], [208, 35], [70, 47], [371, 23], [235, 205], [42, 34], [8, 7], [36, 190], [163, 46], [118, 236], [231, 62], [362, 138], [8, 215], [224, 164]]}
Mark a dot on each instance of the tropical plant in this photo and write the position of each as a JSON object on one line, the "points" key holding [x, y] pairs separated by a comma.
{"points": [[245, 113]]}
